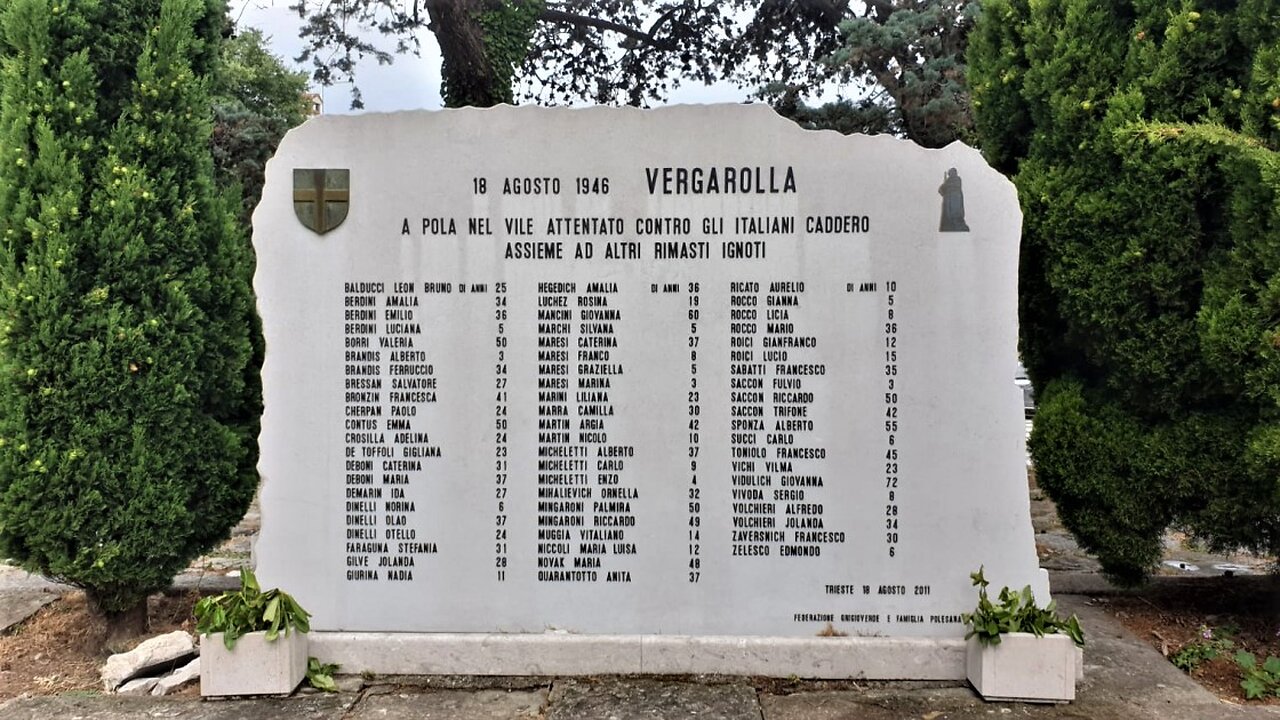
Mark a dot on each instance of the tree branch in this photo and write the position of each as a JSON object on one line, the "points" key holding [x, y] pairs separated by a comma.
{"points": [[832, 11], [568, 18]]}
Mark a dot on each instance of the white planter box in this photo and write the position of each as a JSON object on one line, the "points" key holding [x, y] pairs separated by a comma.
{"points": [[255, 666], [1024, 667]]}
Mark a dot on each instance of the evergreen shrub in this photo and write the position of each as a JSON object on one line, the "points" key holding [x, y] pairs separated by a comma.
{"points": [[1142, 137], [129, 391]]}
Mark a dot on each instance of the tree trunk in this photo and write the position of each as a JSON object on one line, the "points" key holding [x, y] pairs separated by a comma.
{"points": [[469, 75], [120, 629]]}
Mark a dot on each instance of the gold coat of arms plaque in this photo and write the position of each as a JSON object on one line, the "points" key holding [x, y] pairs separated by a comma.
{"points": [[321, 197]]}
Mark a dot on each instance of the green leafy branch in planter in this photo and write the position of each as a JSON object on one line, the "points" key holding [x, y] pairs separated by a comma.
{"points": [[249, 609], [1259, 680], [1016, 612]]}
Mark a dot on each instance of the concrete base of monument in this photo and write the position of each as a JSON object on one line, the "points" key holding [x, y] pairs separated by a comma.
{"points": [[867, 658]]}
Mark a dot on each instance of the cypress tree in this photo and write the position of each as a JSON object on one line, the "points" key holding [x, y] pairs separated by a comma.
{"points": [[129, 345], [1143, 138]]}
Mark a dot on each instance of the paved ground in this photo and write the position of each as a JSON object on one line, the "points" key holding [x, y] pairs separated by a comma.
{"points": [[1125, 679]]}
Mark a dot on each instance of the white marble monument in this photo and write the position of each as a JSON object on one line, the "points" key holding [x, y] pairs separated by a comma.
{"points": [[611, 390]]}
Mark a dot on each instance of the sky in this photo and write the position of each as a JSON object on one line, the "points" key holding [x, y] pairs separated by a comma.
{"points": [[410, 83]]}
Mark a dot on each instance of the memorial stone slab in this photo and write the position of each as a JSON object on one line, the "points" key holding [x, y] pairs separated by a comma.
{"points": [[688, 372]]}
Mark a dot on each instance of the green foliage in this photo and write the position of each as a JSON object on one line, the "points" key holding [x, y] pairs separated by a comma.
{"points": [[129, 391], [248, 610], [320, 675], [1142, 138], [906, 56], [508, 28], [256, 100], [1198, 652], [604, 51], [1259, 680], [914, 51], [253, 78], [1017, 612], [843, 116]]}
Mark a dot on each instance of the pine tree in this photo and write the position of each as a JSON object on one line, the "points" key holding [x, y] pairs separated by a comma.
{"points": [[129, 395], [1143, 138]]}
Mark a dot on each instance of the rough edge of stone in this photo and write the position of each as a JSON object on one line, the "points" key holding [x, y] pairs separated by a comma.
{"points": [[752, 110], [860, 658]]}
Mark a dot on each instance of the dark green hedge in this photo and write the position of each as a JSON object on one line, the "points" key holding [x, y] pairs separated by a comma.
{"points": [[1142, 137]]}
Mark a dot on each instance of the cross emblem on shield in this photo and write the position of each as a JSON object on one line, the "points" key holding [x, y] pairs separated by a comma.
{"points": [[321, 197]]}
